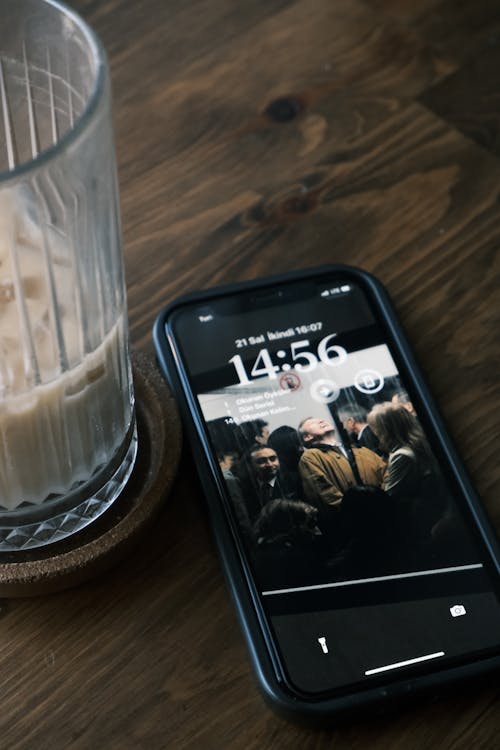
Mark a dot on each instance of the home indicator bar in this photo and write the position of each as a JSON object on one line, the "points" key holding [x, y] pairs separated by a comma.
{"points": [[398, 664]]}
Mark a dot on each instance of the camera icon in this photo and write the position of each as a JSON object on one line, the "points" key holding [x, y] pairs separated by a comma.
{"points": [[458, 610]]}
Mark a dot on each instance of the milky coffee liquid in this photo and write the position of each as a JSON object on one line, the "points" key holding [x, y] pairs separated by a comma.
{"points": [[64, 407]]}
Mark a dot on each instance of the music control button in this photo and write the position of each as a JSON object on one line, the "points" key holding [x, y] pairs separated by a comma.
{"points": [[325, 391]]}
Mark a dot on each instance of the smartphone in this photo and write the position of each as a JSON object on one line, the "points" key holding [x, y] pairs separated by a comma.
{"points": [[361, 563]]}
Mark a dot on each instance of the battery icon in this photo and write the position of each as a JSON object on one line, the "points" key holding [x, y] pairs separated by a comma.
{"points": [[345, 288]]}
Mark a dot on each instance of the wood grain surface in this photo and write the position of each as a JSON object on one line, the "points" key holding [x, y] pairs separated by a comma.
{"points": [[258, 136]]}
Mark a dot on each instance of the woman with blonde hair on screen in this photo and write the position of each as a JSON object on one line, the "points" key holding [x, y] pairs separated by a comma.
{"points": [[413, 478]]}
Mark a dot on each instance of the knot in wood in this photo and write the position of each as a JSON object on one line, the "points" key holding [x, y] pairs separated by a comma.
{"points": [[284, 109]]}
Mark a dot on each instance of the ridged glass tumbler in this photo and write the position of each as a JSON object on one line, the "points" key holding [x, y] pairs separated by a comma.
{"points": [[67, 426]]}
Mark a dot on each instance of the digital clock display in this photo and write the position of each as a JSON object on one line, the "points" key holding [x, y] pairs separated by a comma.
{"points": [[299, 354]]}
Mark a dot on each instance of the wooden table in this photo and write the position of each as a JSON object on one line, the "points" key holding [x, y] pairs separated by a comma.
{"points": [[257, 136]]}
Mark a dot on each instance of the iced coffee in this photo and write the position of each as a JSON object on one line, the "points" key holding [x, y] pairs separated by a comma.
{"points": [[67, 429], [64, 410]]}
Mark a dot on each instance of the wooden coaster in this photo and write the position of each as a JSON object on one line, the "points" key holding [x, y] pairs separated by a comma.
{"points": [[111, 536]]}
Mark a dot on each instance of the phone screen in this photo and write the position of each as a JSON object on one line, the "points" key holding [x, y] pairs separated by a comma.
{"points": [[363, 552]]}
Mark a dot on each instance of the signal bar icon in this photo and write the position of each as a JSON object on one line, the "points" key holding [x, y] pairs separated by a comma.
{"points": [[336, 290]]}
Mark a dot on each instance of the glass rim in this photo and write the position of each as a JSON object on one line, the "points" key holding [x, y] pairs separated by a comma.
{"points": [[72, 135]]}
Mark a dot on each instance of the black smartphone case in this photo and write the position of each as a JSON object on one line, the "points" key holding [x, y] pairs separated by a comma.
{"points": [[317, 712]]}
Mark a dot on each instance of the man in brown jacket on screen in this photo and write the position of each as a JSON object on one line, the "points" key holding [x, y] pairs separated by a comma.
{"points": [[325, 468]]}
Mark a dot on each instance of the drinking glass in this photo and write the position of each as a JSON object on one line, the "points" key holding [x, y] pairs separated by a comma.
{"points": [[67, 427]]}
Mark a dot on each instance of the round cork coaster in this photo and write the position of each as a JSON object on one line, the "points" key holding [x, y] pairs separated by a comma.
{"points": [[110, 537]]}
